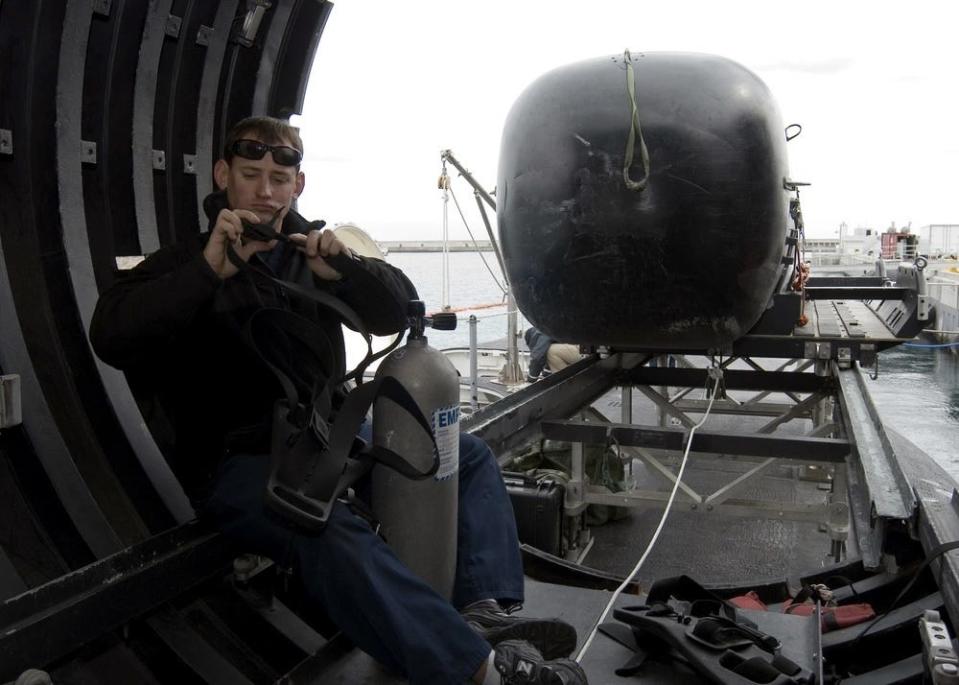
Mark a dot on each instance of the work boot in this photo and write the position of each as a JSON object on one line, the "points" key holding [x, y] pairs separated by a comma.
{"points": [[552, 637], [520, 663]]}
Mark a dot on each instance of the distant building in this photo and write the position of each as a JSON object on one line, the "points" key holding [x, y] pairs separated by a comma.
{"points": [[939, 240], [821, 251], [861, 244], [862, 241]]}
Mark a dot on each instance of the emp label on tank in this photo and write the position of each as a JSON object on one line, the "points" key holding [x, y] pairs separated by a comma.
{"points": [[446, 428]]}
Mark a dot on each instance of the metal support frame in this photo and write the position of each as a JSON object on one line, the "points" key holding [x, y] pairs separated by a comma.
{"points": [[805, 390], [474, 373], [514, 421], [851, 320], [858, 461]]}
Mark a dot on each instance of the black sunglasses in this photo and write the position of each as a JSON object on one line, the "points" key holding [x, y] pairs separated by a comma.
{"points": [[283, 155]]}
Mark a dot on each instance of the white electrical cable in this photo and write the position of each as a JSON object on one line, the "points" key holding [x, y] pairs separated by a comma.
{"points": [[662, 521]]}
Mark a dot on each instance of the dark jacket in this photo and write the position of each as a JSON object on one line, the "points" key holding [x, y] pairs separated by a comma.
{"points": [[176, 328], [538, 344]]}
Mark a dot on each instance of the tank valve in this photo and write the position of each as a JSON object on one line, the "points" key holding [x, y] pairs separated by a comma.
{"points": [[419, 321], [442, 321]]}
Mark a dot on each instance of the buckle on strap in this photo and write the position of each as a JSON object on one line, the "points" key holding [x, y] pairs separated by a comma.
{"points": [[307, 477], [320, 429]]}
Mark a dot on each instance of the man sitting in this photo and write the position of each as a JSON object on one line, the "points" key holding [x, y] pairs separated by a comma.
{"points": [[175, 322], [547, 356]]}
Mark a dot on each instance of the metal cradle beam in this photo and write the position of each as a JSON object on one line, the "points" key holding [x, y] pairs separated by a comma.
{"points": [[880, 495], [734, 379], [514, 420], [716, 442]]}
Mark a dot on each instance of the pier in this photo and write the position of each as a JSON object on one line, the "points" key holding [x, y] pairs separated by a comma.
{"points": [[434, 245]]}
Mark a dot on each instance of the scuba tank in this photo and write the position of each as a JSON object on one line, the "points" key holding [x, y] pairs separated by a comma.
{"points": [[419, 518]]}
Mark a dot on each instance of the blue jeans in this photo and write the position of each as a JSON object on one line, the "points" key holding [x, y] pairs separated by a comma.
{"points": [[352, 575]]}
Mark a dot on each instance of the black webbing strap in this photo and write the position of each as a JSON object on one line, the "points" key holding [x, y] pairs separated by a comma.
{"points": [[933, 554], [334, 304], [702, 600], [720, 632], [346, 314], [313, 461], [261, 332], [308, 476]]}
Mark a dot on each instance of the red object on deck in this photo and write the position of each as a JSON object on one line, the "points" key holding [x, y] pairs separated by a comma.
{"points": [[833, 617]]}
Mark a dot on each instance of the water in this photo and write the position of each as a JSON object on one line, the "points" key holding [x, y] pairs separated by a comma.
{"points": [[471, 285], [917, 392]]}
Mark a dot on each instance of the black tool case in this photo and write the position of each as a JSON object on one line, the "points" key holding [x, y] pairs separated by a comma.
{"points": [[538, 507]]}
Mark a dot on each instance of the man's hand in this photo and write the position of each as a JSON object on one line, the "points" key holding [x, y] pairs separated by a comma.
{"points": [[319, 244], [227, 231]]}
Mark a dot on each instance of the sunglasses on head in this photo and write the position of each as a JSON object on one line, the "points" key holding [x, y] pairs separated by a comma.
{"points": [[284, 155]]}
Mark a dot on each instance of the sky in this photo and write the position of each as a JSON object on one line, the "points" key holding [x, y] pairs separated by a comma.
{"points": [[875, 86]]}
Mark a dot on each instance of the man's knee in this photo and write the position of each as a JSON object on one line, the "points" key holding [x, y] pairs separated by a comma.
{"points": [[473, 451], [346, 542], [562, 355]]}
